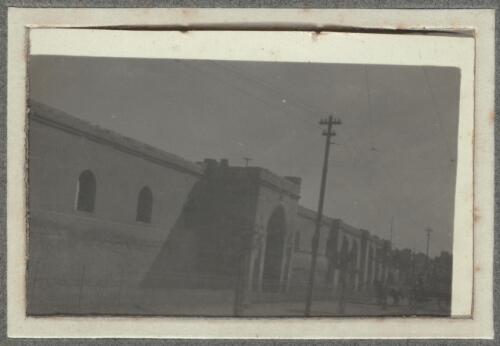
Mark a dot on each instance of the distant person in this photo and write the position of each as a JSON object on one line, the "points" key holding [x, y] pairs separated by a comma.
{"points": [[412, 293], [420, 291], [383, 295], [393, 290], [443, 296], [376, 288], [395, 294], [380, 293]]}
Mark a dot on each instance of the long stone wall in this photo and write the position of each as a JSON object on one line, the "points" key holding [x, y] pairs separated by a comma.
{"points": [[212, 226], [73, 253]]}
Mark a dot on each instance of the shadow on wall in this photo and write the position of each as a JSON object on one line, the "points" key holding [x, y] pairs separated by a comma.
{"points": [[204, 247], [176, 264], [87, 270]]}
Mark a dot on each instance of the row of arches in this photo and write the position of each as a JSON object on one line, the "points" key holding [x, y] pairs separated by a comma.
{"points": [[357, 267], [86, 192]]}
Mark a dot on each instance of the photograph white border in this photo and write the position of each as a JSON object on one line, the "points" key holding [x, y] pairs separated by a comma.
{"points": [[47, 32]]}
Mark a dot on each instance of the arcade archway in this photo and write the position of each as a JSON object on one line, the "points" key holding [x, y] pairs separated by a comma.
{"points": [[275, 239]]}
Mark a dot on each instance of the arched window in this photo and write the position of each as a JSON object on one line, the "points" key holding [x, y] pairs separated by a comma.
{"points": [[344, 252], [297, 242], [144, 205], [354, 255], [85, 190]]}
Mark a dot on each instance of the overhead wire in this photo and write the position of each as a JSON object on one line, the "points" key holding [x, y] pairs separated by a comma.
{"points": [[297, 101], [246, 92], [437, 117]]}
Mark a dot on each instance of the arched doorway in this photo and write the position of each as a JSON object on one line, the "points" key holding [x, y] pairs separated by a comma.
{"points": [[344, 260], [369, 266], [354, 265], [332, 256], [275, 239]]}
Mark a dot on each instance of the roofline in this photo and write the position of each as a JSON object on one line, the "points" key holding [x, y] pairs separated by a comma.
{"points": [[58, 119], [278, 183], [311, 215], [265, 177], [328, 221]]}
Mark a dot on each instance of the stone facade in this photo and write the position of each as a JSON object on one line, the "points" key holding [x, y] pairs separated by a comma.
{"points": [[135, 221], [346, 255], [107, 246]]}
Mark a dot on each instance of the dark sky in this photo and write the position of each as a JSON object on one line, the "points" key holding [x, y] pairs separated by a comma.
{"points": [[395, 153]]}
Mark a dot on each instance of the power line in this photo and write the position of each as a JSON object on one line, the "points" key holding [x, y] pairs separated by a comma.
{"points": [[313, 110], [252, 95], [350, 144], [368, 96], [308, 108], [355, 152], [436, 114]]}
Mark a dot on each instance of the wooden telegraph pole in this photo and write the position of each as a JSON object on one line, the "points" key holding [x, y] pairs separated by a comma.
{"points": [[428, 231], [247, 160], [329, 133]]}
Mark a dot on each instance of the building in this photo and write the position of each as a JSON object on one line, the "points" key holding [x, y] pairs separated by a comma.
{"points": [[114, 224]]}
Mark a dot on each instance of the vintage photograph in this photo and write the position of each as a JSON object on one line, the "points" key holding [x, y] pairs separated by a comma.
{"points": [[184, 187], [192, 173]]}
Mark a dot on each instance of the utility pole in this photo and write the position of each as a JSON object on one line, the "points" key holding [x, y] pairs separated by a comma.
{"points": [[428, 231], [247, 160], [329, 133], [392, 223], [427, 262]]}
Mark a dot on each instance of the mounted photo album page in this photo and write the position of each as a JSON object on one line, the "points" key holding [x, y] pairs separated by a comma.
{"points": [[246, 182]]}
